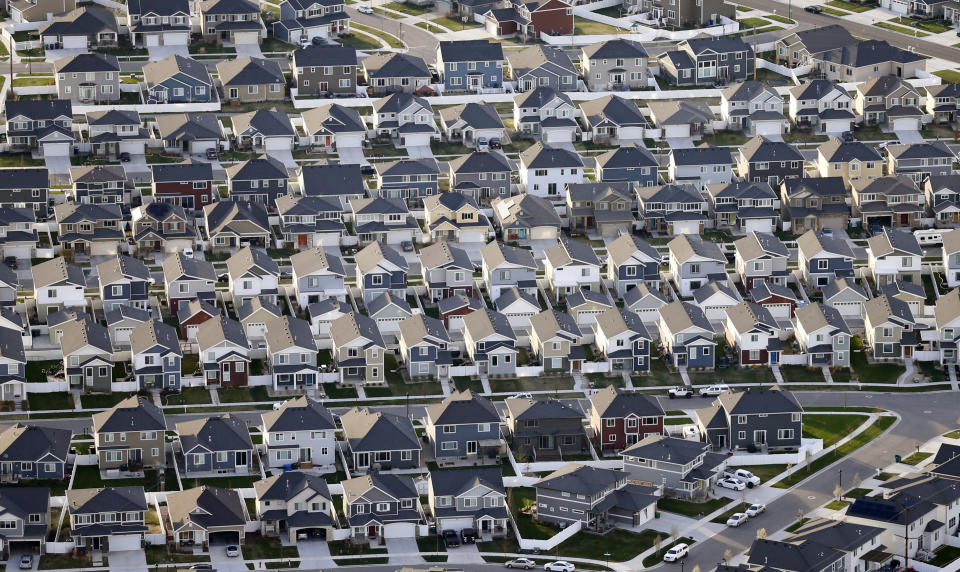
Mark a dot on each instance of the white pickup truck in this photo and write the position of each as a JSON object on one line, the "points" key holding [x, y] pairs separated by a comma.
{"points": [[744, 475], [714, 390]]}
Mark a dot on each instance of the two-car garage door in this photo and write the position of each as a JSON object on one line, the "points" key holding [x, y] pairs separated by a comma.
{"points": [[74, 42], [120, 542], [167, 39], [906, 124]]}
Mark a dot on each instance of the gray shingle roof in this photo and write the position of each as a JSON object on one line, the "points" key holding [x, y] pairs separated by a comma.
{"points": [[90, 62], [30, 443], [263, 167], [612, 49], [156, 72], [459, 481], [366, 430], [615, 402], [524, 408], [761, 149], [480, 162], [666, 449], [220, 508], [463, 407], [325, 56], [135, 413], [540, 156], [186, 171], [268, 122], [471, 51], [154, 333], [214, 433], [214, 331], [580, 479], [627, 157], [298, 414], [391, 65], [495, 253], [762, 401]]}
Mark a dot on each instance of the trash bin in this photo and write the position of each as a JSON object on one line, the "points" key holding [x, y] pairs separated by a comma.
{"points": [[656, 514], [897, 458]]}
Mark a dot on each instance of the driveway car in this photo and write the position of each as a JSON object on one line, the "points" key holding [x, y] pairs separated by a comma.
{"points": [[756, 509], [731, 483], [468, 535], [745, 476], [676, 553], [522, 563], [26, 562], [451, 538], [559, 566], [365, 10], [233, 551], [814, 9], [737, 519]]}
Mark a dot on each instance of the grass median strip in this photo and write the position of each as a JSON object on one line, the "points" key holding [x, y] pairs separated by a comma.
{"points": [[830, 428], [903, 30], [390, 39]]}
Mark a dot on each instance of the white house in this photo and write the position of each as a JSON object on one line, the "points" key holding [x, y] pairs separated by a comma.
{"points": [[951, 257], [300, 431], [252, 273], [546, 171], [894, 255], [571, 265], [754, 333]]}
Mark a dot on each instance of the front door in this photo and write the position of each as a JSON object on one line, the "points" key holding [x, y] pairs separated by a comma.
{"points": [[302, 240], [225, 376], [324, 86], [474, 81], [306, 454], [241, 459], [721, 441], [234, 93], [135, 455], [372, 531]]}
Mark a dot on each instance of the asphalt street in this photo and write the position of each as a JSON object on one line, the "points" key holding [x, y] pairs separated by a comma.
{"points": [[420, 42]]}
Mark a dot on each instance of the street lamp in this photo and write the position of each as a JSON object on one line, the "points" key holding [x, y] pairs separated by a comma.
{"points": [[606, 559], [841, 484]]}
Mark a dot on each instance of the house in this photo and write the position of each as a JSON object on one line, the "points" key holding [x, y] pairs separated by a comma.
{"points": [[177, 79], [850, 160], [821, 105], [555, 339], [715, 298], [87, 27], [920, 160], [823, 258], [114, 132], [300, 431], [124, 281], [90, 78], [18, 238], [254, 316], [189, 133], [620, 418], [464, 428], [545, 114], [188, 184], [469, 65], [44, 126], [13, 384], [685, 15], [87, 356], [122, 321], [754, 108], [623, 340], [295, 503], [490, 342], [947, 313], [645, 302], [109, 519], [526, 217], [311, 222], [595, 497], [942, 102], [33, 452], [530, 19], [9, 285], [912, 293], [889, 326], [762, 159], [822, 335], [382, 219], [357, 349], [891, 201], [474, 124], [845, 296], [894, 255], [130, 434], [318, 275], [799, 48], [380, 440], [263, 130], [778, 299], [455, 216], [376, 501], [754, 333], [197, 513], [685, 469], [407, 119], [815, 203], [162, 227], [156, 355], [323, 313], [224, 352], [396, 72], [518, 306], [704, 165], [614, 64], [859, 542], [381, 269], [25, 186], [158, 23], [235, 22], [453, 309], [301, 21], [409, 180], [424, 346], [586, 305], [262, 180], [291, 354], [613, 120], [388, 312], [745, 206], [681, 118], [57, 285], [794, 556], [950, 256], [447, 270], [251, 273], [186, 278], [707, 61], [469, 498], [24, 11], [95, 230], [332, 127], [942, 196], [571, 265], [630, 163], [686, 335], [601, 208], [761, 257], [504, 267], [632, 261], [323, 70], [542, 66], [695, 262], [867, 59], [28, 509], [544, 429], [216, 444], [888, 100], [545, 171]]}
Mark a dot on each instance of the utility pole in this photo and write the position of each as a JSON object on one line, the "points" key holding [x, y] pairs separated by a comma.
{"points": [[754, 53]]}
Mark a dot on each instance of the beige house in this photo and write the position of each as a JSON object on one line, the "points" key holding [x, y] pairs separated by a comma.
{"points": [[866, 60], [455, 216], [197, 514], [130, 434], [888, 100], [358, 349], [850, 160], [22, 11], [249, 79], [553, 336]]}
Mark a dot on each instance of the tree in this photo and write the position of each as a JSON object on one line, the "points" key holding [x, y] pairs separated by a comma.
{"points": [[799, 514], [838, 491], [657, 541], [808, 458], [857, 481], [727, 555], [674, 532], [761, 534]]}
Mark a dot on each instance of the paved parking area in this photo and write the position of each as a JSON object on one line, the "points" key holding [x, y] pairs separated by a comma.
{"points": [[407, 547], [315, 554], [352, 156], [128, 560], [14, 562], [911, 136], [465, 554], [419, 151], [160, 52], [60, 165], [252, 50], [223, 563]]}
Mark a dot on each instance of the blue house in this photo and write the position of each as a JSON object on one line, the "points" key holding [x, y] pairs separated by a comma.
{"points": [[823, 259], [156, 354], [303, 20], [464, 427], [623, 339], [632, 261], [687, 335], [124, 281], [424, 345], [218, 444], [629, 163], [176, 79], [470, 65], [381, 269], [32, 452]]}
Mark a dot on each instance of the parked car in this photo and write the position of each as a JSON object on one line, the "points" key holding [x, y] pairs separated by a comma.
{"points": [[212, 154], [451, 538], [522, 563], [814, 9], [743, 475], [201, 566], [365, 10], [26, 562], [559, 566], [468, 535], [233, 550], [317, 41], [495, 144], [10, 262], [407, 246], [731, 483], [188, 252], [714, 390], [124, 157], [737, 519], [676, 553], [680, 391], [522, 395], [756, 509]]}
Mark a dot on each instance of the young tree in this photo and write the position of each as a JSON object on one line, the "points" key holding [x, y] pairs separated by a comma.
{"points": [[838, 492], [727, 555], [857, 481], [808, 458], [761, 534], [657, 541]]}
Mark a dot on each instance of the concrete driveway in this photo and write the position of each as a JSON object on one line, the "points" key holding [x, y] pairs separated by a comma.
{"points": [[59, 165], [54, 55], [680, 142], [406, 549], [285, 156], [252, 50], [315, 554], [352, 156], [465, 554], [222, 562], [910, 136], [14, 562], [160, 52], [419, 151], [136, 168], [129, 560]]}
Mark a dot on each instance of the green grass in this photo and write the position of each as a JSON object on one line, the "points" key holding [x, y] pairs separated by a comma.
{"points": [[932, 26], [344, 548], [830, 428], [243, 394], [521, 498], [20, 160], [430, 27], [531, 384], [753, 23], [408, 8], [102, 400], [779, 18], [390, 39], [33, 81], [874, 372], [620, 544], [949, 76], [677, 421], [464, 382], [744, 8], [256, 547], [916, 458], [764, 472], [733, 375], [834, 11], [34, 369], [952, 434], [723, 517], [64, 561], [802, 374], [189, 396], [396, 385], [944, 555], [189, 364], [804, 137], [583, 27], [455, 25], [901, 29], [864, 437], [793, 527], [725, 139], [334, 392], [123, 51], [837, 504], [231, 482], [856, 493], [159, 555], [49, 401], [885, 476], [271, 44], [872, 133], [691, 508], [433, 543], [359, 42], [207, 48], [657, 556], [849, 6]]}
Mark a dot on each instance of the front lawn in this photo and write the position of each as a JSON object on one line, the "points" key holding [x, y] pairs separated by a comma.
{"points": [[764, 472], [733, 375], [849, 6], [916, 458], [408, 8], [620, 544], [901, 29], [189, 396], [33, 81], [830, 428], [802, 374], [390, 39], [463, 382], [102, 400], [531, 384], [752, 23], [455, 25], [948, 76], [724, 138], [691, 508], [243, 394], [657, 556], [524, 498], [159, 555], [20, 160], [49, 401], [874, 372], [205, 48], [932, 26], [335, 392], [256, 547], [271, 44]]}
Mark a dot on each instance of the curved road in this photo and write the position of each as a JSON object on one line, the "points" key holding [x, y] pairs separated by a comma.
{"points": [[421, 42]]}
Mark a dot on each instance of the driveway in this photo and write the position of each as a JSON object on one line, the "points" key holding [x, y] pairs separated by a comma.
{"points": [[130, 560], [420, 151], [223, 563], [59, 165], [911, 136], [137, 169], [14, 562], [285, 156], [160, 52], [352, 156], [407, 547], [315, 554], [54, 55], [465, 554], [680, 142], [252, 50]]}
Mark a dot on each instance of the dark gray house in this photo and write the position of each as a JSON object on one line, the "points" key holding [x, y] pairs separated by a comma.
{"points": [[260, 180], [795, 556], [762, 159], [28, 511], [176, 79], [920, 160], [34, 452], [109, 518], [539, 66], [594, 496], [292, 502], [767, 420], [374, 501], [684, 468], [319, 70], [380, 440], [215, 445], [707, 61], [481, 175], [408, 179], [631, 163], [29, 186], [469, 498], [465, 427], [545, 429]]}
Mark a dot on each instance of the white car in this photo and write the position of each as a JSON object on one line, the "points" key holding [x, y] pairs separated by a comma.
{"points": [[233, 551], [745, 476], [680, 391], [737, 519], [676, 553], [188, 252], [731, 483], [559, 566], [523, 395], [714, 390], [365, 10], [524, 563], [756, 509]]}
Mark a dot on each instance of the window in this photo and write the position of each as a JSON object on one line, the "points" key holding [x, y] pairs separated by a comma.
{"points": [[795, 417], [784, 433], [823, 264]]}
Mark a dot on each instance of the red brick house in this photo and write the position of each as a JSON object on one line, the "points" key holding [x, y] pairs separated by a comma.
{"points": [[453, 309], [620, 419], [191, 314], [187, 184], [554, 17]]}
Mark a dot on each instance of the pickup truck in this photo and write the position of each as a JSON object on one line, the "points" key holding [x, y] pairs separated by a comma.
{"points": [[680, 391], [744, 475], [713, 390]]}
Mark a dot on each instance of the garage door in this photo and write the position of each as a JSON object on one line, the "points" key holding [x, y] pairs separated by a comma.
{"points": [[103, 248], [192, 332], [200, 147], [123, 335], [457, 524], [132, 147], [120, 542], [74, 42], [848, 308], [778, 310], [715, 313], [906, 124], [543, 233], [246, 37], [677, 131], [277, 143], [176, 38], [400, 530], [767, 128], [56, 149], [152, 40], [757, 225], [648, 314], [556, 136], [21, 252], [256, 330]]}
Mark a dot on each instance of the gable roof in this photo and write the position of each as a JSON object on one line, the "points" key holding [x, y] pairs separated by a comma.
{"points": [[463, 407], [625, 246], [617, 48], [471, 51], [352, 325], [326, 55], [80, 333], [288, 484], [87, 62], [221, 328], [679, 316], [540, 156], [366, 430], [685, 247], [496, 253], [759, 401], [135, 413], [57, 270], [249, 259], [614, 402], [391, 65], [214, 433], [544, 408], [207, 507], [154, 333], [258, 168], [370, 256], [485, 322], [580, 479], [298, 414], [20, 442], [268, 122], [525, 210], [158, 71], [455, 482]]}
